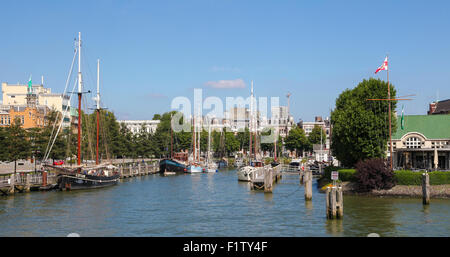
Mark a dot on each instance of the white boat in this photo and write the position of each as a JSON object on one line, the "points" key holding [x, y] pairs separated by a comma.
{"points": [[211, 167], [245, 173], [194, 168]]}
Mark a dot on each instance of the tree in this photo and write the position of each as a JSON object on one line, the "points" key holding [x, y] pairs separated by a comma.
{"points": [[17, 145], [315, 136], [296, 140], [373, 174], [361, 127]]}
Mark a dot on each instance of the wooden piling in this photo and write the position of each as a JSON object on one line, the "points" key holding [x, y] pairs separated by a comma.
{"points": [[334, 203], [139, 169], [12, 183], [44, 178], [425, 188], [327, 202], [302, 177], [268, 180], [308, 185], [27, 183]]}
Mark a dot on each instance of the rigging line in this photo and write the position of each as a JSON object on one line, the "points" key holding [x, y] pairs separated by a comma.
{"points": [[104, 133], [65, 88], [87, 121], [60, 124]]}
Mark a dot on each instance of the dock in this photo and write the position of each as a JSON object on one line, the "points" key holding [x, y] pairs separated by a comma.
{"points": [[265, 177], [29, 180]]}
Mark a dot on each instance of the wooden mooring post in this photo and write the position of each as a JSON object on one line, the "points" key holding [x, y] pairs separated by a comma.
{"points": [[425, 188], [12, 183], [27, 183], [334, 203], [268, 180], [308, 185]]}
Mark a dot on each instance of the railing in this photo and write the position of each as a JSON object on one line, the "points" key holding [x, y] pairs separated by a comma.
{"points": [[289, 168]]}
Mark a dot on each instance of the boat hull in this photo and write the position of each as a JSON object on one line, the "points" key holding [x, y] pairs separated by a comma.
{"points": [[194, 169], [79, 181], [245, 173], [170, 165]]}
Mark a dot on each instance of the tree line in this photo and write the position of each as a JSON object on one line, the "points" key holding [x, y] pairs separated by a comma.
{"points": [[117, 141]]}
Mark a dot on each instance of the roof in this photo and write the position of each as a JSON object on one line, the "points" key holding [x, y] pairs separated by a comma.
{"points": [[442, 107], [431, 126]]}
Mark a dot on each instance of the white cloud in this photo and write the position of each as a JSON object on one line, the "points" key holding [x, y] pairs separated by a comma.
{"points": [[237, 83]]}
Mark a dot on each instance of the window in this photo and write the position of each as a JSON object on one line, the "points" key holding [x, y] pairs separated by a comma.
{"points": [[413, 142]]}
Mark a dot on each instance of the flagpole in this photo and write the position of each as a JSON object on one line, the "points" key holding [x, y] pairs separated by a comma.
{"points": [[390, 127]]}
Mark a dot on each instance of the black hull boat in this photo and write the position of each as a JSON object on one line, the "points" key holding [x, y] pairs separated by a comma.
{"points": [[171, 165], [81, 181], [86, 177]]}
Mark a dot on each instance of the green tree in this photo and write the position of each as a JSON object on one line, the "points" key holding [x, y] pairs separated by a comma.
{"points": [[16, 146], [361, 127], [315, 136], [296, 140]]}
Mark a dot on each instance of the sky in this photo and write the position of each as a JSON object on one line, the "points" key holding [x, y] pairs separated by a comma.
{"points": [[154, 51]]}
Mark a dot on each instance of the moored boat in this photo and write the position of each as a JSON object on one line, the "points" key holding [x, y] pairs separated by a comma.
{"points": [[171, 165]]}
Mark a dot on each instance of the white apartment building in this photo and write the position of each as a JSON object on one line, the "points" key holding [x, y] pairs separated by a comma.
{"points": [[135, 126], [308, 126]]}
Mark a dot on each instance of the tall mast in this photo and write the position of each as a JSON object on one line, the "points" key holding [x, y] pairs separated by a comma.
{"points": [[209, 140], [171, 138], [98, 108], [390, 132], [80, 83], [250, 123], [198, 139], [194, 139]]}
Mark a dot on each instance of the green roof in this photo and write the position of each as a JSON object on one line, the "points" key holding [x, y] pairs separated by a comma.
{"points": [[431, 126]]}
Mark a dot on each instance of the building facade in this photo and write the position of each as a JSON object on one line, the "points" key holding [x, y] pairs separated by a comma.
{"points": [[30, 117], [136, 126], [439, 107], [308, 126], [17, 94], [422, 143]]}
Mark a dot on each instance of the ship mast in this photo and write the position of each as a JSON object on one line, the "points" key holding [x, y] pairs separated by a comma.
{"points": [[80, 85], [98, 108], [250, 125]]}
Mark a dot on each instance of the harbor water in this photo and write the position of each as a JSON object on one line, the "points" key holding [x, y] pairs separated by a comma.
{"points": [[213, 204]]}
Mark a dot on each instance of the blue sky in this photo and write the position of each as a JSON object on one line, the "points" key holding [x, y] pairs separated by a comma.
{"points": [[153, 51]]}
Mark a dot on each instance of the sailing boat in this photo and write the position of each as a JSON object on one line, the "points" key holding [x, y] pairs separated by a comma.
{"points": [[169, 166], [84, 177], [245, 173], [210, 165], [194, 166]]}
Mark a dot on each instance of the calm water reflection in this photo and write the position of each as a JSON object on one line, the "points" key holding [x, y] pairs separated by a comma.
{"points": [[213, 205]]}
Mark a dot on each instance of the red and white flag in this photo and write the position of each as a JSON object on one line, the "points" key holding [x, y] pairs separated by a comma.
{"points": [[384, 66]]}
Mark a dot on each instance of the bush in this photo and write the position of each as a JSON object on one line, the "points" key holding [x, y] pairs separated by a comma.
{"points": [[407, 177], [347, 175], [373, 174]]}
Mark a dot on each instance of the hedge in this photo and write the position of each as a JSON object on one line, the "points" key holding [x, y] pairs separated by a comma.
{"points": [[407, 177], [344, 174], [402, 177]]}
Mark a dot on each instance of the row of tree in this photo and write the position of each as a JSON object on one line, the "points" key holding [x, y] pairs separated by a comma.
{"points": [[116, 141]]}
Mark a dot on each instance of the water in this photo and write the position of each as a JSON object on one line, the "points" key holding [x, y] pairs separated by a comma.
{"points": [[214, 204]]}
